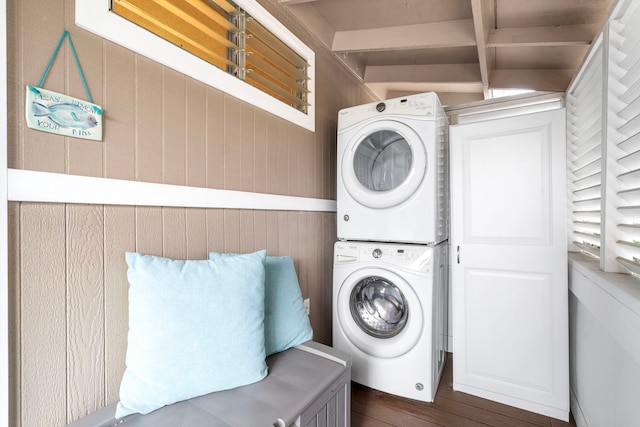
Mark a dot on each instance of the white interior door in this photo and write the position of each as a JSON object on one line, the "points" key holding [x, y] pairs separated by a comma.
{"points": [[509, 261]]}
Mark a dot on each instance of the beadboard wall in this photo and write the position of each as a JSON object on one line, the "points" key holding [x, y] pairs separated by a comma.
{"points": [[68, 287]]}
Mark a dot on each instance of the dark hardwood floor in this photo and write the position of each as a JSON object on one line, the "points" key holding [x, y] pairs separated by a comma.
{"points": [[373, 408]]}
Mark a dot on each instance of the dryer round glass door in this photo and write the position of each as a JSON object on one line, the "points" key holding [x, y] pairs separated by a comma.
{"points": [[379, 312], [382, 160], [384, 164]]}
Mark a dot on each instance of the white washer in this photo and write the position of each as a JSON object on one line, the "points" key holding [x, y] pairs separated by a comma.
{"points": [[390, 314], [392, 167]]}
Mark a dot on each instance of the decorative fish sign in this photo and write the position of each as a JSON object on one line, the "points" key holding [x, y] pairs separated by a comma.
{"points": [[66, 115], [61, 114]]}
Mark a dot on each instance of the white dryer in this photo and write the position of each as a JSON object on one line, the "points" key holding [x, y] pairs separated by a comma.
{"points": [[390, 314], [392, 167]]}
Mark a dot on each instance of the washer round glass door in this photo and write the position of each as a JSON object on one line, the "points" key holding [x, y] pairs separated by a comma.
{"points": [[378, 307], [379, 312], [384, 164]]}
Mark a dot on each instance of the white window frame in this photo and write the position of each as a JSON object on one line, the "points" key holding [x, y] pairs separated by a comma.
{"points": [[96, 17]]}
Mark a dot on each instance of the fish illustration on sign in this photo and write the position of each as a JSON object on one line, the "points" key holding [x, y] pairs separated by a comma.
{"points": [[66, 115], [53, 112]]}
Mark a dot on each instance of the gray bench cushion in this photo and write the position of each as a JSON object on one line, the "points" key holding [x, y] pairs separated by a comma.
{"points": [[297, 378]]}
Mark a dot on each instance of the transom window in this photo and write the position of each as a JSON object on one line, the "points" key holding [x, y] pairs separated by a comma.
{"points": [[225, 35], [235, 46]]}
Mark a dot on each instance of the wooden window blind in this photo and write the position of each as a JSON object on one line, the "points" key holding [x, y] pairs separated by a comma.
{"points": [[624, 90], [223, 34], [584, 155]]}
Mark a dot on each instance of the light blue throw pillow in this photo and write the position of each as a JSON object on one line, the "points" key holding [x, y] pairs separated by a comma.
{"points": [[286, 323], [195, 327]]}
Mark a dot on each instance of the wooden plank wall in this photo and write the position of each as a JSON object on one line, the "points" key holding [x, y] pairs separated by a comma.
{"points": [[68, 285], [71, 297]]}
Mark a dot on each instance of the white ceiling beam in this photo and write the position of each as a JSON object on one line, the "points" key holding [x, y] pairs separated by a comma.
{"points": [[383, 89], [463, 73], [424, 78], [560, 35], [418, 36], [483, 14], [541, 80]]}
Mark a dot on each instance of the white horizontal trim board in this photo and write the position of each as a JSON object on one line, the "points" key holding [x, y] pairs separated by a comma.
{"points": [[32, 186]]}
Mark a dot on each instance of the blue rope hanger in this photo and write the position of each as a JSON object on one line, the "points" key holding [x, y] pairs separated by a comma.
{"points": [[65, 33]]}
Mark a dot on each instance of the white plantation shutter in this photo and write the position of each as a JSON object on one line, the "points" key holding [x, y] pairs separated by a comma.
{"points": [[603, 145], [584, 155], [624, 91]]}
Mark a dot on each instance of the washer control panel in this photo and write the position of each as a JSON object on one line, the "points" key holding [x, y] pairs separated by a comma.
{"points": [[414, 257]]}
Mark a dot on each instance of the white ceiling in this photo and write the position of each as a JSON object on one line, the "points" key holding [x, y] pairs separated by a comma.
{"points": [[461, 49]]}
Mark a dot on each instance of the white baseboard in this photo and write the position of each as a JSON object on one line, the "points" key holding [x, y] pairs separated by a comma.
{"points": [[576, 411]]}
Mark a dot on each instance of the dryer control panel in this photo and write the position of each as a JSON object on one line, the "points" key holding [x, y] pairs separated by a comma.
{"points": [[413, 257], [423, 105]]}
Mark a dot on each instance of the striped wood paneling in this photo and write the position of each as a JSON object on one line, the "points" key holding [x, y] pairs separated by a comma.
{"points": [[42, 290], [71, 290], [85, 305]]}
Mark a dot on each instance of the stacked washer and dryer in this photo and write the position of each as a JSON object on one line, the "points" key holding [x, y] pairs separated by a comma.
{"points": [[390, 277]]}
